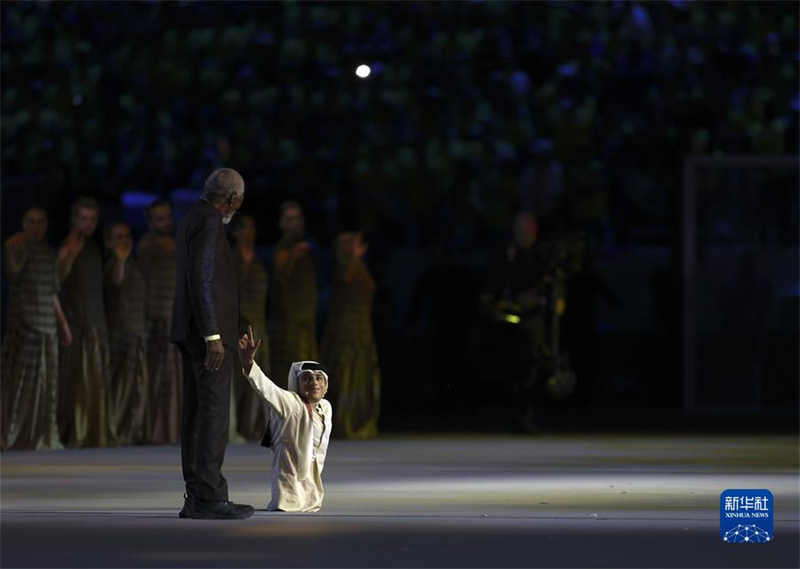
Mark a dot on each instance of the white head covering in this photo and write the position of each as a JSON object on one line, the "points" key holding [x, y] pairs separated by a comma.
{"points": [[299, 367]]}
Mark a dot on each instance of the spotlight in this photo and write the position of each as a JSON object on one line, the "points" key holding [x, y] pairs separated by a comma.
{"points": [[363, 71]]}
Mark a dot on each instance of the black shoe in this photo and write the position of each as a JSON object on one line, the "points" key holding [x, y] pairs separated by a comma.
{"points": [[222, 510]]}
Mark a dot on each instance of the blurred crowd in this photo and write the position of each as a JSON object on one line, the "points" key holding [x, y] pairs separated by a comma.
{"points": [[87, 357], [467, 101], [582, 112]]}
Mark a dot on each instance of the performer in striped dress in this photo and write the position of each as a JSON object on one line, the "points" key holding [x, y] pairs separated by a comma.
{"points": [[125, 295], [83, 373], [253, 283], [30, 351], [157, 261]]}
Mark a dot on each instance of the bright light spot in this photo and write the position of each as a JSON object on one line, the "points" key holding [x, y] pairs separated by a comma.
{"points": [[512, 318], [363, 71]]}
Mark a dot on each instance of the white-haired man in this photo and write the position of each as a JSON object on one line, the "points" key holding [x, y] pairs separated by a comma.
{"points": [[205, 326], [300, 422]]}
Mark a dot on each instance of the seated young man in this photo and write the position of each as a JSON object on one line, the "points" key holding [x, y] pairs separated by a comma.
{"points": [[300, 423]]}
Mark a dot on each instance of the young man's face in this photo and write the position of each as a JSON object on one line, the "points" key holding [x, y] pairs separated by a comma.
{"points": [[292, 223], [351, 245], [160, 220], [312, 386], [34, 225], [120, 237], [85, 221]]}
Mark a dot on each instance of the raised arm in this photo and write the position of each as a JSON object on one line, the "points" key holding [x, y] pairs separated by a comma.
{"points": [[66, 333], [118, 266], [279, 399], [16, 255], [285, 260], [72, 247]]}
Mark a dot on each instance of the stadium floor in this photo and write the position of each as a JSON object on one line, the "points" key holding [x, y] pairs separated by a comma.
{"points": [[577, 500]]}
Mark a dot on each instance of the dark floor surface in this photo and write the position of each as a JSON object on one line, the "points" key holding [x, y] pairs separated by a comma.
{"points": [[528, 501]]}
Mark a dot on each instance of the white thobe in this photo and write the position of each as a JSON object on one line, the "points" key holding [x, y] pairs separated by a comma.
{"points": [[299, 445]]}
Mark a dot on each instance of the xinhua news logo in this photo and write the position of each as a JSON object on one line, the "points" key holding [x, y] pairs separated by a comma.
{"points": [[746, 516]]}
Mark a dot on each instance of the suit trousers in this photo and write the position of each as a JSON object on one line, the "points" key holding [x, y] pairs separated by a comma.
{"points": [[204, 425]]}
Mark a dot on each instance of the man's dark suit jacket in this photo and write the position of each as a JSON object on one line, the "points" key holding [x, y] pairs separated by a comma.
{"points": [[206, 284]]}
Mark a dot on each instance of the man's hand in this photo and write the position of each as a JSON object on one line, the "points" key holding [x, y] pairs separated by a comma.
{"points": [[122, 251], [215, 354], [74, 243], [248, 254], [248, 349], [301, 249], [66, 335], [16, 253], [165, 243], [17, 241]]}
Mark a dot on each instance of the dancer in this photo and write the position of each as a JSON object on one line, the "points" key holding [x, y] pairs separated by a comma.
{"points": [[164, 362], [348, 346], [83, 370], [253, 281], [300, 425], [30, 351], [125, 294]]}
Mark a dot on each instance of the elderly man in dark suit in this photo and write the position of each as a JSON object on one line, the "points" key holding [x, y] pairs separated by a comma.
{"points": [[205, 326]]}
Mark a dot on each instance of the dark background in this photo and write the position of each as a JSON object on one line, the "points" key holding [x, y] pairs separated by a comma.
{"points": [[581, 112]]}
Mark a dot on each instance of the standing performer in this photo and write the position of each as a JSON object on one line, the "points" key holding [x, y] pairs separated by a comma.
{"points": [[125, 294], [83, 375], [30, 352], [349, 345], [205, 326], [250, 420], [293, 299], [164, 362]]}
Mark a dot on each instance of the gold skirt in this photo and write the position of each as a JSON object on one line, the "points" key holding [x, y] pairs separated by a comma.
{"points": [[29, 390], [128, 389], [83, 390], [165, 368]]}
